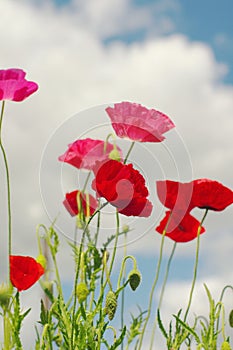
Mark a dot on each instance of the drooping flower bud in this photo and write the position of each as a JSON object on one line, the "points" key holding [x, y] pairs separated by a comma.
{"points": [[134, 279], [82, 292], [42, 260], [225, 346], [111, 304], [231, 318], [115, 155]]}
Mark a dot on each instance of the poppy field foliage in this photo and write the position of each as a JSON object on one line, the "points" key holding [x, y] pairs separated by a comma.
{"points": [[93, 316]]}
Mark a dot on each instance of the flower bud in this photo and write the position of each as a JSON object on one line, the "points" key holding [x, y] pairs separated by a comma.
{"points": [[125, 228], [5, 294], [134, 279], [225, 346], [42, 260], [82, 292], [111, 304], [231, 318], [115, 155]]}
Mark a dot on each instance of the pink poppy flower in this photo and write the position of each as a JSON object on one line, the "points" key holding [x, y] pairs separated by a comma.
{"points": [[138, 123], [180, 230], [14, 86], [71, 203], [123, 187], [83, 154]]}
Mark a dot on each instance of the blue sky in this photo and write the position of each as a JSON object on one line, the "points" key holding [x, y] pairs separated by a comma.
{"points": [[203, 20]]}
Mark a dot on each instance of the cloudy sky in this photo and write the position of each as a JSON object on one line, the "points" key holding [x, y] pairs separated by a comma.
{"points": [[172, 55]]}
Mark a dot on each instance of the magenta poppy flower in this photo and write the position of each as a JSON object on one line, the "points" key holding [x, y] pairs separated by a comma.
{"points": [[24, 271], [83, 154], [138, 123], [180, 230], [123, 187], [14, 86], [87, 203], [212, 195]]}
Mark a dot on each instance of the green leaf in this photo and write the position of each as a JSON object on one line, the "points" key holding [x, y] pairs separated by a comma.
{"points": [[161, 327]]}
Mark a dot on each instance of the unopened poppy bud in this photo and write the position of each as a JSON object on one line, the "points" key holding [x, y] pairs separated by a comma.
{"points": [[5, 294], [111, 304], [42, 260], [231, 318], [82, 292], [134, 279], [225, 346], [125, 228], [115, 155]]}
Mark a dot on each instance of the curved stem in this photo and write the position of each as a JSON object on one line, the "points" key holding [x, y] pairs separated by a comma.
{"points": [[220, 300], [8, 185], [195, 266]]}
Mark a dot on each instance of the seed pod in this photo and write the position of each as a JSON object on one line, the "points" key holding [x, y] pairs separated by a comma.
{"points": [[111, 304], [134, 279], [231, 318], [225, 346], [82, 292]]}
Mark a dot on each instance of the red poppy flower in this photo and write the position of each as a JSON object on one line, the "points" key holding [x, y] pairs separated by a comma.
{"points": [[202, 193], [180, 229], [212, 195], [83, 154], [175, 195], [123, 187], [24, 271], [14, 86], [71, 203], [138, 123]]}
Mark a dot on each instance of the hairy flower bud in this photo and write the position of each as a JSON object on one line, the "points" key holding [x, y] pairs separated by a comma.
{"points": [[231, 318], [82, 292], [111, 304], [134, 279], [115, 155], [42, 260], [5, 294], [225, 346]]}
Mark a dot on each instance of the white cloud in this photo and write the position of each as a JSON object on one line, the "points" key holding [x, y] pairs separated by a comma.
{"points": [[64, 53]]}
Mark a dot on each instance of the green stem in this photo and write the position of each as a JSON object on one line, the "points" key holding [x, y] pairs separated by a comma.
{"points": [[129, 151], [123, 291], [221, 299], [162, 291], [196, 265], [7, 332], [8, 185], [86, 182], [116, 241], [152, 290], [77, 274]]}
